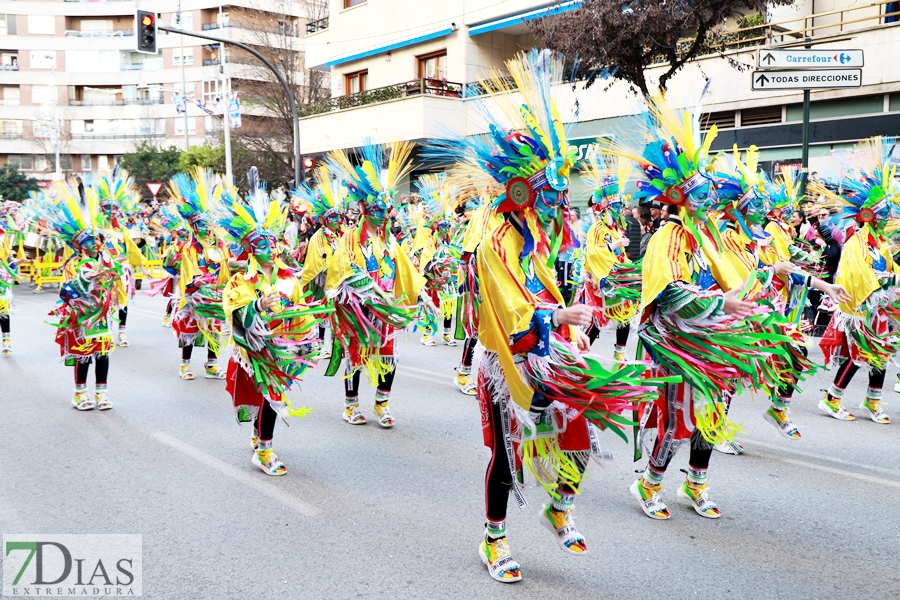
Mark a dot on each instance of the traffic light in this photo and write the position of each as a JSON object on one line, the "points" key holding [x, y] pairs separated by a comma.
{"points": [[145, 31], [309, 164]]}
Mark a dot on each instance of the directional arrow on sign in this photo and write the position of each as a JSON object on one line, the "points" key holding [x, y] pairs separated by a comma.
{"points": [[762, 80], [768, 58]]}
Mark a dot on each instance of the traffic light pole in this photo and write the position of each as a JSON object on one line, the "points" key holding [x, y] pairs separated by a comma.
{"points": [[287, 90]]}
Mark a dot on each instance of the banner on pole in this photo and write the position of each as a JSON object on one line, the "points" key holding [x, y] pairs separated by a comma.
{"points": [[179, 104], [234, 110]]}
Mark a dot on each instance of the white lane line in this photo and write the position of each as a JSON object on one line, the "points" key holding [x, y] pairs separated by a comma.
{"points": [[821, 457], [840, 472], [260, 485], [423, 371]]}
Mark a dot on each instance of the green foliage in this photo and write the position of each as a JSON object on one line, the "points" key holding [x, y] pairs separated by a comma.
{"points": [[206, 156], [150, 163], [15, 185]]}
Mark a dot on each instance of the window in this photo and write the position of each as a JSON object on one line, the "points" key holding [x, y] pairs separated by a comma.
{"points": [[350, 3], [760, 116], [43, 59], [43, 163], [433, 66], [7, 24], [21, 161], [41, 24], [187, 20], [179, 125], [43, 94], [719, 119], [89, 126], [103, 163], [177, 57], [103, 25], [211, 90], [11, 95], [357, 82], [10, 127], [86, 162]]}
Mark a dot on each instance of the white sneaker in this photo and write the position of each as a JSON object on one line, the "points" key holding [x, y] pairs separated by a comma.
{"points": [[732, 448], [841, 414], [653, 507], [699, 499], [427, 340], [897, 387], [876, 415], [82, 401]]}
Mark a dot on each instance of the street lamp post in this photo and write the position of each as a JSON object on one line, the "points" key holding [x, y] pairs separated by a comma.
{"points": [[187, 138]]}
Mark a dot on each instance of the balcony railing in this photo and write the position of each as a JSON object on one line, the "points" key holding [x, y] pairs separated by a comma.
{"points": [[100, 33], [317, 25], [417, 87], [9, 67], [10, 135], [9, 101], [144, 66], [209, 62], [124, 102], [114, 136], [251, 27]]}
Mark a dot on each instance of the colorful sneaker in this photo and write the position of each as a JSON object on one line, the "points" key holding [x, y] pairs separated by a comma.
{"points": [[875, 412], [448, 339], [254, 440], [81, 401], [700, 500], [897, 385], [325, 353], [102, 401], [7, 348], [184, 371], [497, 558], [729, 447], [213, 371], [652, 506], [123, 340], [619, 356], [782, 420], [833, 408], [562, 525], [268, 462], [167, 321], [427, 340], [352, 415], [465, 384], [384, 416]]}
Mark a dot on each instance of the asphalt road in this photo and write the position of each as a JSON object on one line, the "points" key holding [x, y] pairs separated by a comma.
{"points": [[372, 513]]}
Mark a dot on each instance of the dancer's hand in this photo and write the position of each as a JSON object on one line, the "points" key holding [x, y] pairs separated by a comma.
{"points": [[785, 268], [270, 301], [837, 293], [620, 243], [582, 340], [579, 315], [736, 307]]}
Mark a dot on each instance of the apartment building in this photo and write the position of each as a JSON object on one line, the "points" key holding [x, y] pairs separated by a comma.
{"points": [[70, 78], [400, 68]]}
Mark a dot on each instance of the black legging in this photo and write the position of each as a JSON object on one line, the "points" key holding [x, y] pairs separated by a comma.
{"points": [[351, 384], [123, 316], [188, 349], [621, 335], [846, 372], [448, 322], [787, 390], [265, 422], [498, 478], [4, 324], [701, 451], [100, 375], [469, 352]]}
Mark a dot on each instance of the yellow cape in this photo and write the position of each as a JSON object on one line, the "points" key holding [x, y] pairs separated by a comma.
{"points": [[855, 270]]}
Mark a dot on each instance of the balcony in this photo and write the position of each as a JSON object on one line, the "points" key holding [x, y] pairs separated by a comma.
{"points": [[10, 135], [93, 135], [144, 66], [9, 67], [317, 25], [251, 27], [125, 102], [9, 102], [416, 87], [100, 33]]}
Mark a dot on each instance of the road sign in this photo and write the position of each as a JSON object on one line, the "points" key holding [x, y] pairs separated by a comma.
{"points": [[154, 188], [806, 80], [802, 58]]}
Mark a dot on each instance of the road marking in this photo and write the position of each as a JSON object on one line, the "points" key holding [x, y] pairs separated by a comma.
{"points": [[260, 485], [821, 457], [841, 472], [423, 371]]}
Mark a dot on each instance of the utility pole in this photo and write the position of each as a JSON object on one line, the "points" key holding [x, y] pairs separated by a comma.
{"points": [[184, 92], [226, 110], [804, 152], [57, 174]]}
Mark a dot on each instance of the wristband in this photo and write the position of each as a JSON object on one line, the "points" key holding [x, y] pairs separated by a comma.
{"points": [[809, 281], [554, 320]]}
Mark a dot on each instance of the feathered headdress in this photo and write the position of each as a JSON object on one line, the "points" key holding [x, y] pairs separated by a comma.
{"points": [[169, 220], [870, 193], [71, 212], [117, 191], [325, 198], [375, 179], [784, 193], [194, 194], [246, 220], [607, 176], [437, 197], [739, 193]]}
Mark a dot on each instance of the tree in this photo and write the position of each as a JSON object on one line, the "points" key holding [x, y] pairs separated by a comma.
{"points": [[622, 38], [15, 185], [206, 156], [267, 130], [150, 163]]}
